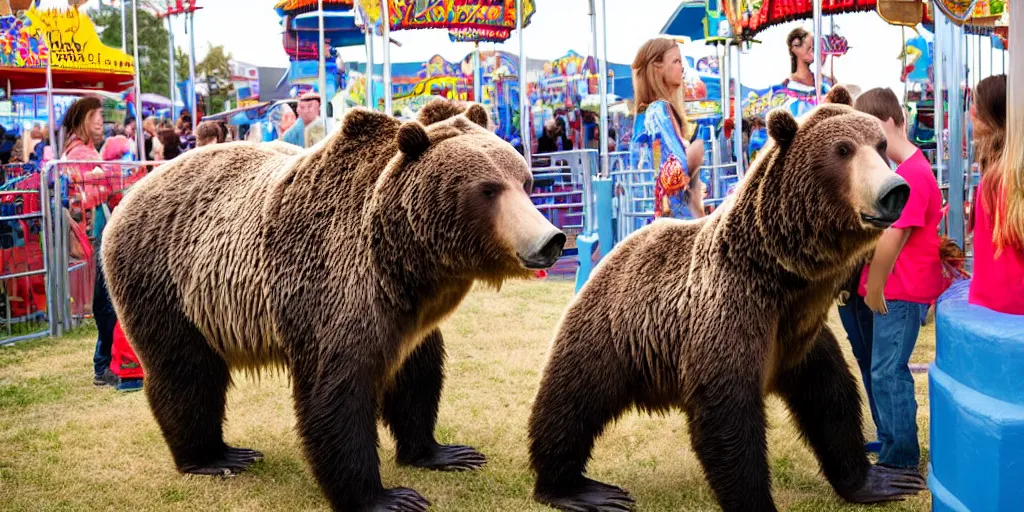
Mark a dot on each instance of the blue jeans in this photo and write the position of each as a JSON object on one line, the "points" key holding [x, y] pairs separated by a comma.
{"points": [[858, 320], [103, 313], [892, 385]]}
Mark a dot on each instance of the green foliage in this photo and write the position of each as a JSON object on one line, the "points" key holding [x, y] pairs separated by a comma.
{"points": [[153, 43]]}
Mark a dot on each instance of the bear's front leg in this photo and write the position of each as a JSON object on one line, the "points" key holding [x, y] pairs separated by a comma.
{"points": [[336, 406], [823, 396], [728, 431], [585, 386], [410, 410]]}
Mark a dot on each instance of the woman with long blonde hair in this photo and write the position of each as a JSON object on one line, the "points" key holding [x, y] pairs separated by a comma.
{"points": [[661, 135], [998, 215]]}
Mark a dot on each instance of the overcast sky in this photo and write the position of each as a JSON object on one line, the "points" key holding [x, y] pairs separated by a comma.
{"points": [[251, 31]]}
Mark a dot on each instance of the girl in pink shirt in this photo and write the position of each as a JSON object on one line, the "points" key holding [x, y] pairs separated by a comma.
{"points": [[998, 216]]}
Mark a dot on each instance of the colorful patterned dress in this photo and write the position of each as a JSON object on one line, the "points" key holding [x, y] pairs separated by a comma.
{"points": [[656, 145]]}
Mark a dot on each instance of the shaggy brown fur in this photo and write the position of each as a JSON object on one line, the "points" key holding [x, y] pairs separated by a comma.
{"points": [[336, 262], [710, 316]]}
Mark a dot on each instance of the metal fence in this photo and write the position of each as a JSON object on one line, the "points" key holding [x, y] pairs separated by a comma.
{"points": [[563, 193], [25, 252], [87, 191], [50, 222]]}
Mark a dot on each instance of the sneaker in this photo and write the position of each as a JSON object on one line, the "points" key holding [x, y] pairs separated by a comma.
{"points": [[98, 380], [127, 385]]}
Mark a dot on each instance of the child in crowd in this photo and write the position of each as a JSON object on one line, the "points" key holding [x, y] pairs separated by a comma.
{"points": [[903, 278], [998, 215]]}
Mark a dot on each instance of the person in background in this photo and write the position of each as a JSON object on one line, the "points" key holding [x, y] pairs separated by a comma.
{"points": [[83, 128], [296, 134], [118, 147], [661, 135], [314, 129], [208, 133], [903, 278], [287, 121], [170, 142], [548, 142], [998, 216], [801, 56]]}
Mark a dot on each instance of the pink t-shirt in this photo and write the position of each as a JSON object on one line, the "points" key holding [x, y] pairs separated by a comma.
{"points": [[998, 283], [917, 274]]}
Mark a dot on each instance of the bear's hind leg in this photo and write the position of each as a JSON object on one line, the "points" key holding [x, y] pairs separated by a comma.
{"points": [[410, 410], [186, 385], [825, 401], [583, 389]]}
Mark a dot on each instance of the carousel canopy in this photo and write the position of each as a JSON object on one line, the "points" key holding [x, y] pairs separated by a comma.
{"points": [[77, 57]]}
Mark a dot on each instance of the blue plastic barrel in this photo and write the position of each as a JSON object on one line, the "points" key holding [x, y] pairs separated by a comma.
{"points": [[976, 396]]}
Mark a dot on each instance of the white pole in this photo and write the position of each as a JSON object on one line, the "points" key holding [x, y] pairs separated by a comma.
{"points": [[124, 29], [323, 67], [817, 51], [139, 139], [478, 86], [191, 65], [172, 92], [737, 129], [368, 80], [603, 89], [386, 26], [524, 111], [55, 304]]}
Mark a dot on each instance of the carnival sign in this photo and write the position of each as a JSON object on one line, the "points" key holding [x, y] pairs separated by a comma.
{"points": [[466, 20], [71, 43]]}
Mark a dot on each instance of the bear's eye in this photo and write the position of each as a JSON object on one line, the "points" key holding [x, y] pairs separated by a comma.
{"points": [[528, 186], [844, 149], [882, 147], [490, 190]]}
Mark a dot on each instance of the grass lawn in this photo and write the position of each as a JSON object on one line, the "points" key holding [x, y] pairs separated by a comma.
{"points": [[68, 445]]}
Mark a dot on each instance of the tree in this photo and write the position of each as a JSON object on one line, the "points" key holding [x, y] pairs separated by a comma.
{"points": [[153, 41], [215, 70]]}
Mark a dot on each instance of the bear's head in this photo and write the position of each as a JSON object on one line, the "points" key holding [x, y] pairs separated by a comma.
{"points": [[824, 190], [456, 198]]}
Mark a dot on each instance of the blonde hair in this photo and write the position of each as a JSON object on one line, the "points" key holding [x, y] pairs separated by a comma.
{"points": [[1009, 221], [649, 85]]}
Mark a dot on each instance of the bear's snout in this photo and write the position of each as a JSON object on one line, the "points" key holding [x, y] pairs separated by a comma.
{"points": [[548, 253], [892, 197]]}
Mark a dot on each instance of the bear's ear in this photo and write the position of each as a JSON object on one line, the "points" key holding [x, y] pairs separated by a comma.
{"points": [[437, 110], [478, 114], [839, 95], [413, 139], [782, 126]]}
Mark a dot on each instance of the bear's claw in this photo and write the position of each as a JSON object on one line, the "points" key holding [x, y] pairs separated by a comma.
{"points": [[591, 496], [232, 462], [449, 457], [888, 484], [400, 499]]}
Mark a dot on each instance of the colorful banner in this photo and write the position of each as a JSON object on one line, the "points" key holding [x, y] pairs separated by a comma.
{"points": [[72, 42], [466, 20]]}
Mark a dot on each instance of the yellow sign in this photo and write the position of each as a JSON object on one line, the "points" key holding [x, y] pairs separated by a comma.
{"points": [[72, 43]]}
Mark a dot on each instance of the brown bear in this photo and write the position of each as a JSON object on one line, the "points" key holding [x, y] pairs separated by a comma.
{"points": [[709, 316], [337, 263]]}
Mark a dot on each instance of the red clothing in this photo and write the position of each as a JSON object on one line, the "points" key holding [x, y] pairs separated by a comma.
{"points": [[917, 274], [998, 282]]}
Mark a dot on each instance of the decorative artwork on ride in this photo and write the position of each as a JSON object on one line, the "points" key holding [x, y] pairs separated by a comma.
{"points": [[918, 54], [73, 43], [20, 47]]}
